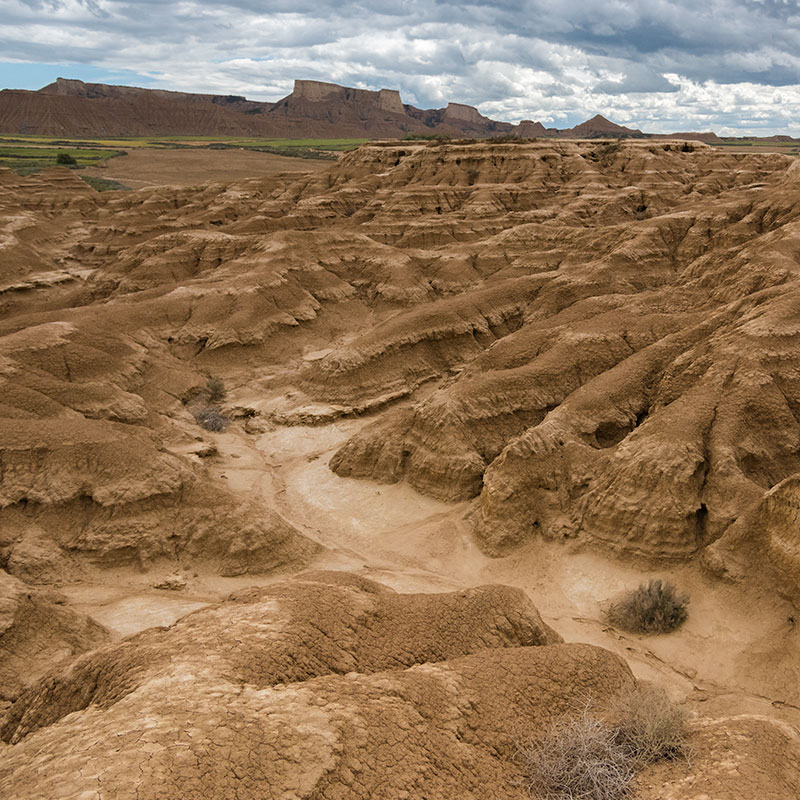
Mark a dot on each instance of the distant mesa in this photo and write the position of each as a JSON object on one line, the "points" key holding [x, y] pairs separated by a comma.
{"points": [[458, 112], [318, 109], [313, 109]]}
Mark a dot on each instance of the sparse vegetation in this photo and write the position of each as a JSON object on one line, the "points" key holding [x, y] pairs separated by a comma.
{"points": [[212, 419], [585, 756], [576, 757], [649, 726], [653, 607], [27, 155], [27, 159], [104, 184], [215, 387]]}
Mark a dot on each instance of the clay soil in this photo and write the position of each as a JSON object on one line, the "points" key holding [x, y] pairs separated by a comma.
{"points": [[473, 392], [142, 167]]}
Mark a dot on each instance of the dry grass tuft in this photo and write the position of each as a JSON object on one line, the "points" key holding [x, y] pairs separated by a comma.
{"points": [[212, 419], [576, 758], [584, 756], [215, 389], [654, 607], [649, 726]]}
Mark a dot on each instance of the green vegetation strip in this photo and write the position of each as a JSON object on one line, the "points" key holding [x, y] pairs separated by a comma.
{"points": [[29, 154], [104, 184], [172, 142], [27, 160]]}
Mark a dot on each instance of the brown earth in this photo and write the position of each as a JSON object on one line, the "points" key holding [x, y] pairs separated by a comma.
{"points": [[313, 109], [143, 167], [563, 367], [316, 109]]}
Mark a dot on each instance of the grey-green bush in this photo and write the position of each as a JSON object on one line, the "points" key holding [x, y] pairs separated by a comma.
{"points": [[588, 756], [212, 419], [576, 757], [216, 389], [648, 725], [653, 607]]}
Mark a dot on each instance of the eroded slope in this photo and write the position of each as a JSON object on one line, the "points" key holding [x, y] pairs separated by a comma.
{"points": [[585, 341]]}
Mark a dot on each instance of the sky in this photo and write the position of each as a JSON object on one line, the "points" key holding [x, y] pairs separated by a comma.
{"points": [[732, 66]]}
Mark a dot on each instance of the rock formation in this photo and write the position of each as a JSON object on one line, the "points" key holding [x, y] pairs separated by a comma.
{"points": [[329, 685], [38, 632], [313, 109], [326, 685], [579, 341], [611, 351]]}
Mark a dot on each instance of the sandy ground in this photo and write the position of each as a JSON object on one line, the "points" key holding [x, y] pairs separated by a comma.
{"points": [[736, 654], [763, 148], [142, 167]]}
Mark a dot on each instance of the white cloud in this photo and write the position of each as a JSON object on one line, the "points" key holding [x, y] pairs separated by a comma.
{"points": [[659, 65]]}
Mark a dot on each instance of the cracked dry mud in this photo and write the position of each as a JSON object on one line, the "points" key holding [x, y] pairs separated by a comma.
{"points": [[468, 384]]}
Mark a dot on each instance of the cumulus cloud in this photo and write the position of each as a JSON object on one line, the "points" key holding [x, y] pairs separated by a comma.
{"points": [[660, 65]]}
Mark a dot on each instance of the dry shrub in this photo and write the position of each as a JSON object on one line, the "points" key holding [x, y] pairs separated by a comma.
{"points": [[215, 389], [649, 726], [654, 607], [583, 756], [576, 758], [212, 419]]}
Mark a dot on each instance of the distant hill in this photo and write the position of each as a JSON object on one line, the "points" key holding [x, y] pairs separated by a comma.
{"points": [[599, 126], [314, 109]]}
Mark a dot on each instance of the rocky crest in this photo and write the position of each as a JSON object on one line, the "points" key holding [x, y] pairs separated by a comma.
{"points": [[314, 109], [578, 341]]}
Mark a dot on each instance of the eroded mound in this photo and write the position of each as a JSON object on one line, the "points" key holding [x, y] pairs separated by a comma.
{"points": [[320, 623], [607, 331], [330, 685], [37, 632], [327, 682]]}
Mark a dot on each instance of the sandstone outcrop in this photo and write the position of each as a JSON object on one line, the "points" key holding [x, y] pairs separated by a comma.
{"points": [[336, 686], [37, 633], [331, 685], [602, 335], [92, 470], [316, 624]]}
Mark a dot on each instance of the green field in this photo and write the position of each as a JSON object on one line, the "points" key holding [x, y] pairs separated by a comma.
{"points": [[28, 154], [27, 160], [177, 141]]}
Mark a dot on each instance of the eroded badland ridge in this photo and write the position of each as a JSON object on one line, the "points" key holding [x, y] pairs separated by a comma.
{"points": [[449, 369], [314, 108]]}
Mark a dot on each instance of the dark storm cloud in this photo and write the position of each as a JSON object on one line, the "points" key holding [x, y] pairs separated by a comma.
{"points": [[647, 61]]}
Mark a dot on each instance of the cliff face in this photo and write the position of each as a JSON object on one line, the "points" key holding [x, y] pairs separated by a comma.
{"points": [[314, 108]]}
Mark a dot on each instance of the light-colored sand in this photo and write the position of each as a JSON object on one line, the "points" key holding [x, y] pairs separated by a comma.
{"points": [[736, 653], [143, 167]]}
